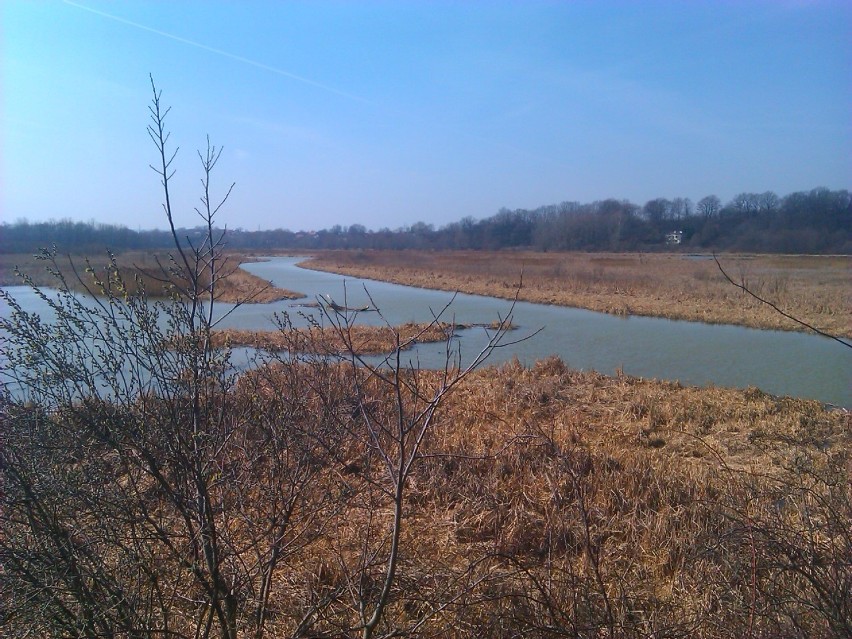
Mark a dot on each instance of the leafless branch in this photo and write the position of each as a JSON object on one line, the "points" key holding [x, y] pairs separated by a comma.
{"points": [[745, 289]]}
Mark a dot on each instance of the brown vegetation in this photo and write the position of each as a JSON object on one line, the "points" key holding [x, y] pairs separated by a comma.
{"points": [[546, 502], [363, 340], [138, 269], [573, 504], [812, 288]]}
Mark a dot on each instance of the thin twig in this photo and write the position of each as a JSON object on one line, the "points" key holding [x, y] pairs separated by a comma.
{"points": [[745, 289]]}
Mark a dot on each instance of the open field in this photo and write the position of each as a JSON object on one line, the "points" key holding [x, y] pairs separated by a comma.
{"points": [[236, 285], [815, 289], [576, 504]]}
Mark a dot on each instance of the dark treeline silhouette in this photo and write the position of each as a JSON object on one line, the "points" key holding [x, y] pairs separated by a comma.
{"points": [[816, 221]]}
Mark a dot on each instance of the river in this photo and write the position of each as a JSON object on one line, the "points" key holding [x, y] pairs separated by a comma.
{"points": [[778, 362]]}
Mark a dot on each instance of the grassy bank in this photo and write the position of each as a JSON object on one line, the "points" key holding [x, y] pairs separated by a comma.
{"points": [[139, 268], [575, 504], [812, 288]]}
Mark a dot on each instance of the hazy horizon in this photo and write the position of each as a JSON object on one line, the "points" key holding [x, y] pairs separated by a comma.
{"points": [[386, 114]]}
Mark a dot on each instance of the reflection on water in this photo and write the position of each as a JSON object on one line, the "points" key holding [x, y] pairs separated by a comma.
{"points": [[778, 362]]}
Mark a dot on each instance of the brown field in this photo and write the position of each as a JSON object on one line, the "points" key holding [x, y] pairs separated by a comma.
{"points": [[815, 289], [625, 507], [138, 267]]}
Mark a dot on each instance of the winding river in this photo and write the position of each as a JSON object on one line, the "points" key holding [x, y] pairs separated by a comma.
{"points": [[780, 363]]}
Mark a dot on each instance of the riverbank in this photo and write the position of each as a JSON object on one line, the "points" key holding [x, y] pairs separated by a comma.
{"points": [[814, 289], [135, 267]]}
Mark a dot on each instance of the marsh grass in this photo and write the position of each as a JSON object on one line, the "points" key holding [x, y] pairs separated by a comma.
{"points": [[575, 504], [812, 288], [139, 270], [360, 339], [547, 502]]}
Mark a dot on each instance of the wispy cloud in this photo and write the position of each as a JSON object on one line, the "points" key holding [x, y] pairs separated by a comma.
{"points": [[226, 54]]}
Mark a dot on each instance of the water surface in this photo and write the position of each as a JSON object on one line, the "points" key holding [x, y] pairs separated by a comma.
{"points": [[778, 362]]}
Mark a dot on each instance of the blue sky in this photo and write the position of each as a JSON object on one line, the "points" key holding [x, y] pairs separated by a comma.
{"points": [[389, 113]]}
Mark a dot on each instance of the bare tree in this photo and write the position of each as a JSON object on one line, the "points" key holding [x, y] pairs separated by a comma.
{"points": [[746, 203], [657, 210], [151, 489], [709, 206], [142, 491], [768, 202], [378, 591], [681, 208]]}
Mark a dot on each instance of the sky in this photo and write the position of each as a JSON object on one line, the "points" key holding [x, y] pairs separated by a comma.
{"points": [[389, 113]]}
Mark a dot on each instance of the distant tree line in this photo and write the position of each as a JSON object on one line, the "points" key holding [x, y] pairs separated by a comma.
{"points": [[816, 221]]}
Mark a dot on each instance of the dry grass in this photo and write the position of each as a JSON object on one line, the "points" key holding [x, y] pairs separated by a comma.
{"points": [[139, 269], [647, 484], [812, 288], [548, 503], [360, 339], [585, 505]]}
